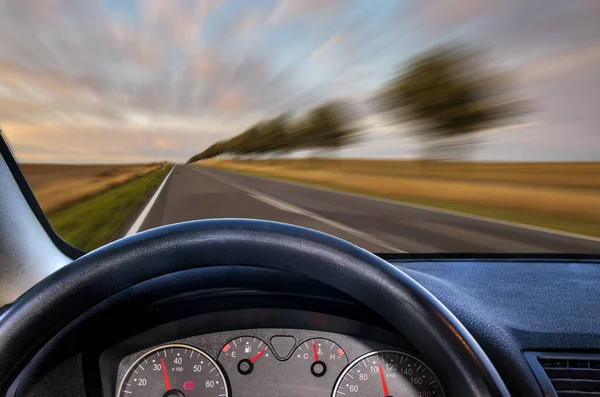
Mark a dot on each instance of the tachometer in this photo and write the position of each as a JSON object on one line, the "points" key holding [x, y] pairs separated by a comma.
{"points": [[387, 373], [174, 371]]}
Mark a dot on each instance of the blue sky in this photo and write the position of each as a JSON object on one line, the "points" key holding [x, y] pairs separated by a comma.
{"points": [[143, 80]]}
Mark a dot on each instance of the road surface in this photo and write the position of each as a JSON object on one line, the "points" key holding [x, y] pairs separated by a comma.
{"points": [[193, 192]]}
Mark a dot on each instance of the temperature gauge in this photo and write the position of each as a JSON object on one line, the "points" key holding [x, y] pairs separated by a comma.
{"points": [[323, 360]]}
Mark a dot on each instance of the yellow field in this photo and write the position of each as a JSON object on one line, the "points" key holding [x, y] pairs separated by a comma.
{"points": [[56, 186], [567, 175], [566, 191]]}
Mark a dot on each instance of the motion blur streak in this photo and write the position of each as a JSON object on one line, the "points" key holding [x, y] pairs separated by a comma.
{"points": [[483, 107], [114, 81]]}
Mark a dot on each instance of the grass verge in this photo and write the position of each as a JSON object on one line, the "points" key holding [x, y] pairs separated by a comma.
{"points": [[59, 186], [95, 221], [564, 222]]}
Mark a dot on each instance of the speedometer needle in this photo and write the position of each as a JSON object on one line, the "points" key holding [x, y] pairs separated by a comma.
{"points": [[386, 391], [165, 374], [260, 353]]}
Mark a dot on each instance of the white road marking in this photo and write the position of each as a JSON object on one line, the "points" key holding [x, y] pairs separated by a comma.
{"points": [[142, 217], [282, 205], [424, 207]]}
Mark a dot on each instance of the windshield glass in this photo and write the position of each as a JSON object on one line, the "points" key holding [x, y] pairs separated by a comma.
{"points": [[401, 126]]}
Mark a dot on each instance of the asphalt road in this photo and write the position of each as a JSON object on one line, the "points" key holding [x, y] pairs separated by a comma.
{"points": [[192, 192]]}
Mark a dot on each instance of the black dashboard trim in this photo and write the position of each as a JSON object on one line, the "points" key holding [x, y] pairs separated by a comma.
{"points": [[489, 257], [539, 373], [533, 357]]}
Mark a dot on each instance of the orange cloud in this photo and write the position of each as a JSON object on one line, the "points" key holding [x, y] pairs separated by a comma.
{"points": [[231, 101], [112, 144], [17, 76], [205, 66], [164, 143], [143, 49]]}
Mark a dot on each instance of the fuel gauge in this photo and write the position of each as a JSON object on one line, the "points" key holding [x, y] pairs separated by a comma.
{"points": [[249, 364], [242, 353]]}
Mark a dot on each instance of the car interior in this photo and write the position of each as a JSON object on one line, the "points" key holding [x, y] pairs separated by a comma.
{"points": [[239, 307]]}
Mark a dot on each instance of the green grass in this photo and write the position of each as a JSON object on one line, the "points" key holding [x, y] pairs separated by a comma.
{"points": [[568, 224], [96, 221]]}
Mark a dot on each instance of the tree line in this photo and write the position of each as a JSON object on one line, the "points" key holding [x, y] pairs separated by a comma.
{"points": [[444, 94], [330, 126]]}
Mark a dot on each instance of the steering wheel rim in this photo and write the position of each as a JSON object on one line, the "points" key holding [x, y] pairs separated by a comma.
{"points": [[47, 307]]}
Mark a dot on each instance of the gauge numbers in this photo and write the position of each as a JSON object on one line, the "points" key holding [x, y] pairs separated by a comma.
{"points": [[174, 371], [387, 373]]}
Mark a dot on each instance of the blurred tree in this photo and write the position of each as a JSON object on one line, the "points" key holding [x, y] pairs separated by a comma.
{"points": [[280, 134], [448, 94], [300, 135], [246, 143], [328, 127], [265, 135], [213, 150]]}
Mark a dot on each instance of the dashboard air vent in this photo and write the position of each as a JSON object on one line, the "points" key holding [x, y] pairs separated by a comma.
{"points": [[566, 374]]}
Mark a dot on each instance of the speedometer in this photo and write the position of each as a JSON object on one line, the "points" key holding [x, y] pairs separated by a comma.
{"points": [[387, 373], [174, 371]]}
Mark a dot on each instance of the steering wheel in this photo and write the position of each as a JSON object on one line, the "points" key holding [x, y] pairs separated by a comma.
{"points": [[49, 306]]}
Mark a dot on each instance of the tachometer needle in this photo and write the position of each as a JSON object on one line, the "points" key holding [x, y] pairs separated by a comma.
{"points": [[165, 374], [315, 351], [386, 391], [260, 353]]}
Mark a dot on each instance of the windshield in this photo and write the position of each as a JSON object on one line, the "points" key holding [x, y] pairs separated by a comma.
{"points": [[401, 126]]}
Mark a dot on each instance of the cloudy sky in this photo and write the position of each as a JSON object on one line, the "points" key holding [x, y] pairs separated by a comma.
{"points": [[120, 80]]}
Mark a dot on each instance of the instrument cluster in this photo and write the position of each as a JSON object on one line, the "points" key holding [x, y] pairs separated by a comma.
{"points": [[275, 362]]}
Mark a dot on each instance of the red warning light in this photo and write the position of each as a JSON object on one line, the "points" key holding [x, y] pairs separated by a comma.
{"points": [[189, 385]]}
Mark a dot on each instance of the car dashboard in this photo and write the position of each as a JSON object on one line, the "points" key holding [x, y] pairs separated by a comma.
{"points": [[270, 333]]}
